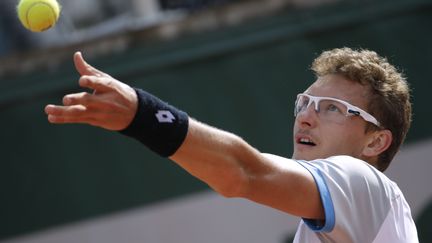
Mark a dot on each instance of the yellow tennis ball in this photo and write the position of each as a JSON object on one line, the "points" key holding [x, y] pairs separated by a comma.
{"points": [[38, 15]]}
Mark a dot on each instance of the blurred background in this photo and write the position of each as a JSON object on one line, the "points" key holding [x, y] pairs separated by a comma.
{"points": [[233, 64]]}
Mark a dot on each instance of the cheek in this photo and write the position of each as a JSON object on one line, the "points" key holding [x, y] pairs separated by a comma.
{"points": [[342, 139]]}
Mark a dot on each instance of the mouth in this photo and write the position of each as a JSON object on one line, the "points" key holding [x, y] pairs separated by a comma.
{"points": [[305, 141]]}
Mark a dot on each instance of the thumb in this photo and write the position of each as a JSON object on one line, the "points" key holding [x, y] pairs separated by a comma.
{"points": [[84, 68]]}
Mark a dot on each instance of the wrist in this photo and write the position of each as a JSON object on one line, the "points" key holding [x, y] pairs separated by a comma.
{"points": [[158, 125]]}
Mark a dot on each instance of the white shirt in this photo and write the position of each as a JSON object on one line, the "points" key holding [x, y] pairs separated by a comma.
{"points": [[361, 205]]}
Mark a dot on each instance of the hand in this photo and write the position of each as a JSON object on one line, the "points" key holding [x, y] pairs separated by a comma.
{"points": [[112, 105]]}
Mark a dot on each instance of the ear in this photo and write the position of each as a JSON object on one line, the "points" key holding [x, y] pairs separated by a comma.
{"points": [[378, 142]]}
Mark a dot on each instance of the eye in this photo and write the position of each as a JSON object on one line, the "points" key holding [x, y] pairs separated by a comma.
{"points": [[333, 108]]}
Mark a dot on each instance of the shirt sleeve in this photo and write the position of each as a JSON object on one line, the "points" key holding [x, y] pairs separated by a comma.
{"points": [[326, 200], [354, 196]]}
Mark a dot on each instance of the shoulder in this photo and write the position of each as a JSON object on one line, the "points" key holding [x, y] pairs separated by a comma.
{"points": [[346, 166], [345, 173], [340, 167], [343, 164], [355, 174]]}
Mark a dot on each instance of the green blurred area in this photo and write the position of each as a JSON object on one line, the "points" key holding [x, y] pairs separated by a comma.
{"points": [[242, 79]]}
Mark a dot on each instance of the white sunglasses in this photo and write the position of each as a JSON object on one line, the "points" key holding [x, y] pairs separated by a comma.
{"points": [[331, 108]]}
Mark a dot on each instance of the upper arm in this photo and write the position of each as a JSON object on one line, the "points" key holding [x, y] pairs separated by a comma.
{"points": [[286, 185]]}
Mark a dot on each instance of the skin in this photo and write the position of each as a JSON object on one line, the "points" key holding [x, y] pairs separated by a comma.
{"points": [[331, 138], [223, 160]]}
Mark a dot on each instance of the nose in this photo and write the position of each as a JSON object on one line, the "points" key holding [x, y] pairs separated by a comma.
{"points": [[308, 117]]}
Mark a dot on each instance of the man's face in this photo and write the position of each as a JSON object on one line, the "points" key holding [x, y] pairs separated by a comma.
{"points": [[315, 137]]}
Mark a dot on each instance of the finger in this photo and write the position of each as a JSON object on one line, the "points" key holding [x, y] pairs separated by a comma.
{"points": [[65, 111], [99, 84], [64, 115], [82, 98], [90, 101], [64, 120], [84, 68]]}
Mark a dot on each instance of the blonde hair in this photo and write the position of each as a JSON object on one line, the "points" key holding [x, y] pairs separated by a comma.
{"points": [[389, 96]]}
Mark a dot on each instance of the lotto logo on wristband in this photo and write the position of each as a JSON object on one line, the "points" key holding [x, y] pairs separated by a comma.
{"points": [[165, 116], [166, 129]]}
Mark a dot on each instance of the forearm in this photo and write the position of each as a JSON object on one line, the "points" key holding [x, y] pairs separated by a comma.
{"points": [[216, 157]]}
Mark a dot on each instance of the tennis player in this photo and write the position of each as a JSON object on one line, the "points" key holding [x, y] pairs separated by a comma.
{"points": [[349, 125]]}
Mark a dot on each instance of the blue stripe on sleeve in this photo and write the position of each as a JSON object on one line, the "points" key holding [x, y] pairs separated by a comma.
{"points": [[325, 198]]}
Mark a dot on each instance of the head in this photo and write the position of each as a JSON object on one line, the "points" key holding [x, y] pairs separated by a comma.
{"points": [[367, 81]]}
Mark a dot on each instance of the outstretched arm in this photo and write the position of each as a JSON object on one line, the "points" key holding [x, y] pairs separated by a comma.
{"points": [[221, 159]]}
